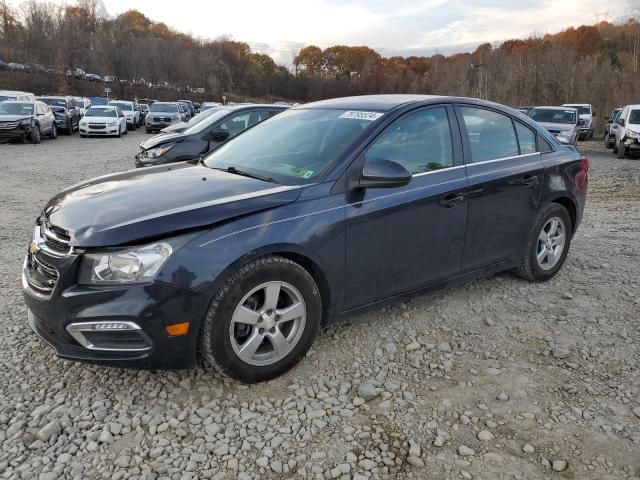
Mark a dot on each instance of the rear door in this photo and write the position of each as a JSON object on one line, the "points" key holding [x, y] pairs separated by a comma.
{"points": [[401, 239], [505, 173]]}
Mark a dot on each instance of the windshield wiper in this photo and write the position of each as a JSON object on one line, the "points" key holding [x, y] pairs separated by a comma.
{"points": [[244, 173]]}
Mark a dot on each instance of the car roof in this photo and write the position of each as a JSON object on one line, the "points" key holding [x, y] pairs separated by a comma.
{"points": [[388, 102], [555, 107], [14, 92], [637, 105], [576, 104]]}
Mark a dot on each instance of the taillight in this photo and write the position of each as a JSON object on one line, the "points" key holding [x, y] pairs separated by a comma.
{"points": [[584, 161]]}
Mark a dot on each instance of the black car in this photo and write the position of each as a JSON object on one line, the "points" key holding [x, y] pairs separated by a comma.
{"points": [[324, 210], [20, 120], [202, 137], [67, 112]]}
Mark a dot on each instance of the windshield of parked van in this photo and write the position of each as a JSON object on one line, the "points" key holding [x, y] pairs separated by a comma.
{"points": [[164, 107], [16, 108], [552, 115], [122, 105], [583, 110], [58, 102], [210, 118], [294, 147], [634, 117], [101, 112]]}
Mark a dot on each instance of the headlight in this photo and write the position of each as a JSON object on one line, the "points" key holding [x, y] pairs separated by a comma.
{"points": [[112, 124], [176, 116], [135, 265], [566, 133], [25, 122], [159, 151], [632, 133]]}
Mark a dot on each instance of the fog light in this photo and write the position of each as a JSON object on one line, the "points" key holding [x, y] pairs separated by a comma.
{"points": [[178, 329]]}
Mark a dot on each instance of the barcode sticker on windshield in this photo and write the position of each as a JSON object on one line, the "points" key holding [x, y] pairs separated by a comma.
{"points": [[357, 115]]}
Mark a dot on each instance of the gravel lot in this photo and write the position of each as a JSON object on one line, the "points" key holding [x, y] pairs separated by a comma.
{"points": [[497, 379]]}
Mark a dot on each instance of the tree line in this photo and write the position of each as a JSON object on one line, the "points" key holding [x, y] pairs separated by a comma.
{"points": [[598, 64]]}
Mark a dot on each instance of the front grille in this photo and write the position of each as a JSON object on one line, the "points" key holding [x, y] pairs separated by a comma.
{"points": [[97, 126], [56, 239], [161, 119], [41, 276], [8, 125]]}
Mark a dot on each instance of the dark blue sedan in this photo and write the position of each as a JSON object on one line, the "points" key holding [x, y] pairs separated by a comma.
{"points": [[318, 212]]}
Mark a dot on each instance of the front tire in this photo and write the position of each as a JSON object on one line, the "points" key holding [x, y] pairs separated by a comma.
{"points": [[548, 244], [607, 140], [262, 321], [35, 135], [54, 132]]}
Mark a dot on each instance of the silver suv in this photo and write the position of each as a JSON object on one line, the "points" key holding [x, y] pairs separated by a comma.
{"points": [[588, 117]]}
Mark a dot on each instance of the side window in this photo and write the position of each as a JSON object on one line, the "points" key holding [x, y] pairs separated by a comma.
{"points": [[236, 124], [421, 141], [491, 134], [526, 138], [543, 145]]}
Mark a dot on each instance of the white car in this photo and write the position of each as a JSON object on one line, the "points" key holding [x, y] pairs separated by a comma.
{"points": [[130, 112], [628, 131], [588, 119], [103, 120], [83, 104]]}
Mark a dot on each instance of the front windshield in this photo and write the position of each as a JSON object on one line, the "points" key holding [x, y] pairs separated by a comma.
{"points": [[634, 117], [4, 97], [57, 102], [122, 105], [164, 107], [14, 108], [550, 115], [101, 112], [209, 119], [294, 147]]}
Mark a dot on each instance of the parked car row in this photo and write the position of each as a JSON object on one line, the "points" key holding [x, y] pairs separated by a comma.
{"points": [[568, 122], [622, 132]]}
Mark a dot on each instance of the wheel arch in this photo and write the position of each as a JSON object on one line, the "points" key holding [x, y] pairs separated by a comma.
{"points": [[295, 254], [570, 204]]}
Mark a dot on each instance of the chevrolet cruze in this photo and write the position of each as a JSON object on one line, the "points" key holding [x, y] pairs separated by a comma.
{"points": [[319, 212]]}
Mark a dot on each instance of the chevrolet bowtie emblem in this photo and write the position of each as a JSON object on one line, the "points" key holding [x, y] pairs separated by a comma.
{"points": [[33, 248]]}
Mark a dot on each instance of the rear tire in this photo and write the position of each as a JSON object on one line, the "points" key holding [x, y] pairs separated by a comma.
{"points": [[54, 132], [278, 344], [543, 257], [622, 150], [607, 140]]}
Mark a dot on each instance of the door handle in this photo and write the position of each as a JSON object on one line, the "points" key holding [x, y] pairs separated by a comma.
{"points": [[452, 200], [527, 181]]}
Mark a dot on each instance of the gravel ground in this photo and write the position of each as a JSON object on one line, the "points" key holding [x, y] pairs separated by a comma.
{"points": [[497, 379]]}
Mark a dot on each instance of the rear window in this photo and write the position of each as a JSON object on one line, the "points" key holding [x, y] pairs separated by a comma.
{"points": [[122, 105], [164, 107]]}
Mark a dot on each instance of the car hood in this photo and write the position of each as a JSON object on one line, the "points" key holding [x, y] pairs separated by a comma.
{"points": [[127, 207], [13, 118], [93, 119], [558, 126], [161, 139]]}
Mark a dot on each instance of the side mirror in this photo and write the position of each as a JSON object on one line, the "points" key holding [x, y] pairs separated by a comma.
{"points": [[593, 114], [621, 122], [218, 135], [610, 120], [383, 174]]}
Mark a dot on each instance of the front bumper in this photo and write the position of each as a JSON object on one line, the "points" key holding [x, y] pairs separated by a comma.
{"points": [[151, 307], [104, 131], [13, 133]]}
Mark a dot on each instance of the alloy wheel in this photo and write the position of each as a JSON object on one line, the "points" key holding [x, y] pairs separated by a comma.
{"points": [[267, 323], [551, 243]]}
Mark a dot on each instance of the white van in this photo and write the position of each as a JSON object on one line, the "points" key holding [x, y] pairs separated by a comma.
{"points": [[628, 132]]}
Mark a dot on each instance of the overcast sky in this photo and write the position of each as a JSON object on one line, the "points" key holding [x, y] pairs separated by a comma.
{"points": [[281, 27]]}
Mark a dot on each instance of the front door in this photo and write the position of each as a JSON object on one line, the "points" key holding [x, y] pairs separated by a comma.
{"points": [[400, 239]]}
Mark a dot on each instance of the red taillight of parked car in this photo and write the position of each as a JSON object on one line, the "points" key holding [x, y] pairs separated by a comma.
{"points": [[581, 176]]}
